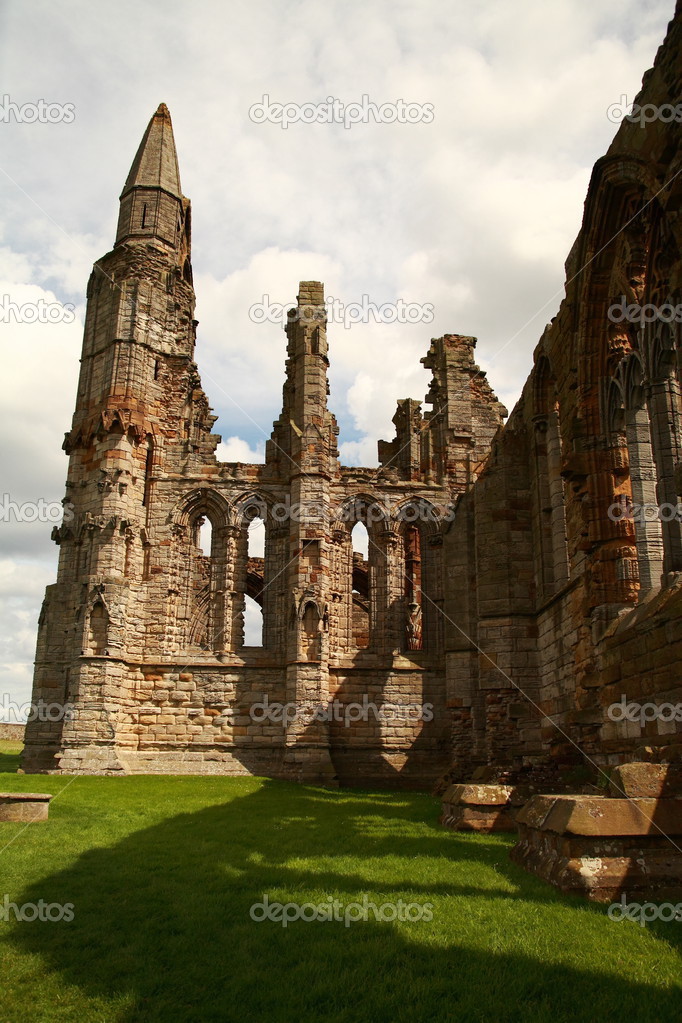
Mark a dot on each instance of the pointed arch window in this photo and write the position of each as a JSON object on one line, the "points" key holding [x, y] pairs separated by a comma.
{"points": [[360, 586]]}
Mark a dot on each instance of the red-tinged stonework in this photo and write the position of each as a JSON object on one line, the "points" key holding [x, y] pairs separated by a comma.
{"points": [[500, 596]]}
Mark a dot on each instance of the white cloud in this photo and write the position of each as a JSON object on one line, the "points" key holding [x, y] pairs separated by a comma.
{"points": [[241, 358], [253, 623], [234, 449], [22, 584], [360, 538], [40, 370], [256, 536], [359, 452]]}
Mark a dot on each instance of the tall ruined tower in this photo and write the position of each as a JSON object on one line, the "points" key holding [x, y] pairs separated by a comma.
{"points": [[142, 639], [303, 451], [136, 392]]}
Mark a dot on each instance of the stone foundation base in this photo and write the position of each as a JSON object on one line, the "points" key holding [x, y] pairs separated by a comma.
{"points": [[385, 767], [600, 847], [39, 760], [311, 764], [478, 808], [209, 761]]}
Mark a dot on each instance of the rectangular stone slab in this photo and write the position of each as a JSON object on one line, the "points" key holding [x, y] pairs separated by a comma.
{"points": [[600, 815]]}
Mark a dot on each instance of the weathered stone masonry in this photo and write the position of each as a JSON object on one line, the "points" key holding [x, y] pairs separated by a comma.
{"points": [[576, 606], [142, 635], [520, 618]]}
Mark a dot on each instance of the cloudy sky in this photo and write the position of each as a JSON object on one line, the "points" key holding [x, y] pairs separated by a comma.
{"points": [[470, 212]]}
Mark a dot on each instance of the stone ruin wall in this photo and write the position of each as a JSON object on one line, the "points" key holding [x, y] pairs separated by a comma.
{"points": [[533, 600], [574, 608]]}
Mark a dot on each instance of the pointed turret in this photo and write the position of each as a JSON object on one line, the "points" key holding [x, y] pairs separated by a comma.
{"points": [[156, 161], [152, 204]]}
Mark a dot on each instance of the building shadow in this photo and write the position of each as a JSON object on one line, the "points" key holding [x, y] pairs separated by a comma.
{"points": [[162, 919]]}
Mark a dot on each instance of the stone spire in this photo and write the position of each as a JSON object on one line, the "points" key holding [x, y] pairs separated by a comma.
{"points": [[152, 205], [156, 161]]}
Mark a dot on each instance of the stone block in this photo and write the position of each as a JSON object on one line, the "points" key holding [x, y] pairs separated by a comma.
{"points": [[27, 807], [646, 780], [474, 807], [601, 868], [599, 846]]}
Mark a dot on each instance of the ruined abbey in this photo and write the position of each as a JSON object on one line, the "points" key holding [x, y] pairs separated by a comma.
{"points": [[521, 579]]}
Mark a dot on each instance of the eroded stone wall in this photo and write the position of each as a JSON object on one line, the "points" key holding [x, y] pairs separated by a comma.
{"points": [[501, 596], [572, 604]]}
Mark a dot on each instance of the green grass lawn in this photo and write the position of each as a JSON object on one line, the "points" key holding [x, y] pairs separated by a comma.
{"points": [[162, 873]]}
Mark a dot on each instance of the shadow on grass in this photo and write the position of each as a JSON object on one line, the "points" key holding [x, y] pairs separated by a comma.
{"points": [[163, 916], [10, 754]]}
